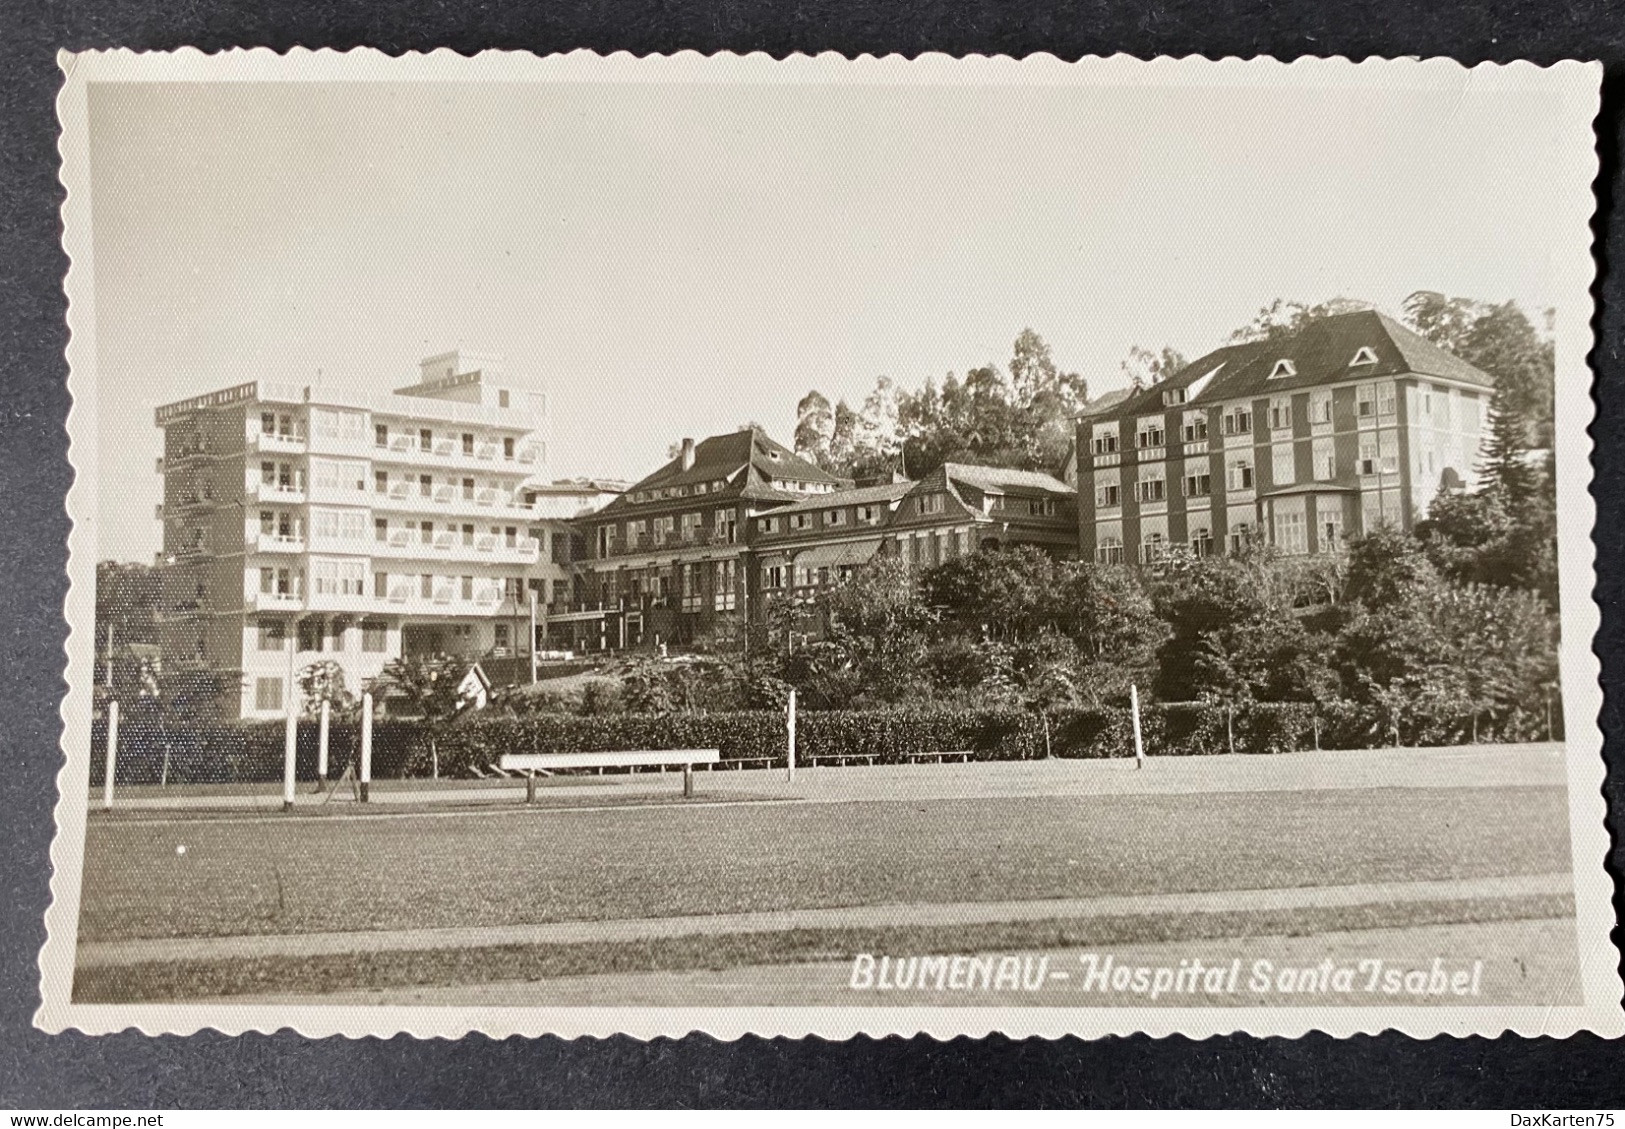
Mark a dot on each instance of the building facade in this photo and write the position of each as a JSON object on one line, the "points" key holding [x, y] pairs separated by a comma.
{"points": [[307, 523], [808, 546], [1299, 442], [668, 561]]}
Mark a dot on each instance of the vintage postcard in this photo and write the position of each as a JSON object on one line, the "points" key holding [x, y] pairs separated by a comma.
{"points": [[589, 545]]}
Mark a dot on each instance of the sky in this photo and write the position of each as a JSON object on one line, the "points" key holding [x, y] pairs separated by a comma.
{"points": [[676, 260]]}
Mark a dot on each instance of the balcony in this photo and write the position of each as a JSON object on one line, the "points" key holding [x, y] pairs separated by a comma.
{"points": [[274, 543], [281, 443], [449, 452], [276, 602], [287, 493]]}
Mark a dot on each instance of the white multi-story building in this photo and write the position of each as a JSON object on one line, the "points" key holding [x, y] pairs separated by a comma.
{"points": [[310, 523]]}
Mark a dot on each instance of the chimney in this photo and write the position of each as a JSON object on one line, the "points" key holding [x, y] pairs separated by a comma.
{"points": [[688, 454]]}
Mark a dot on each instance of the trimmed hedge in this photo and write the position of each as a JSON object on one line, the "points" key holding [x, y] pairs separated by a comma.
{"points": [[253, 751]]}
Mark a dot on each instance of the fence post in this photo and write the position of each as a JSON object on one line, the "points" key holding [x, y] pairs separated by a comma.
{"points": [[290, 751], [321, 749], [112, 755], [1139, 747], [366, 743], [790, 732]]}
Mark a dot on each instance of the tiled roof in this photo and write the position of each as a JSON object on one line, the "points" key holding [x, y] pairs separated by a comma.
{"points": [[861, 496], [1004, 479], [1324, 350], [721, 457], [1321, 353]]}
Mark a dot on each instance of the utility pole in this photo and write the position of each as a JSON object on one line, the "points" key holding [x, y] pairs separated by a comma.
{"points": [[533, 636]]}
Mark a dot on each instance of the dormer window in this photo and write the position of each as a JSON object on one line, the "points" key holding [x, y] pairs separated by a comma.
{"points": [[1364, 357], [1172, 396], [1283, 367]]}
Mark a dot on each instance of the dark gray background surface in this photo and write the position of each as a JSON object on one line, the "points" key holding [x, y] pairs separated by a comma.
{"points": [[133, 1071]]}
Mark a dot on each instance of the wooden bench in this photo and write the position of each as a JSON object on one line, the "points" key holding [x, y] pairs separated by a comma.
{"points": [[963, 755], [532, 763]]}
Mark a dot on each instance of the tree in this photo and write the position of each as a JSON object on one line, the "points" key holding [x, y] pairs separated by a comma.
{"points": [[1502, 341], [324, 682], [876, 639], [1283, 318], [429, 686], [1145, 368], [815, 427]]}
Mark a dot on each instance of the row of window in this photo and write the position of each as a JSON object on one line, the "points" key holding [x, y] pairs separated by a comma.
{"points": [[827, 519], [685, 580], [1375, 400], [1378, 454], [333, 635], [1290, 533]]}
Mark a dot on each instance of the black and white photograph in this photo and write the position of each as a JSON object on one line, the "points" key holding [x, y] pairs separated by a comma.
{"points": [[584, 545]]}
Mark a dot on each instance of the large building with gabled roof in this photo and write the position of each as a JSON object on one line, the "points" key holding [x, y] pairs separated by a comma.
{"points": [[1299, 442], [954, 511], [667, 561]]}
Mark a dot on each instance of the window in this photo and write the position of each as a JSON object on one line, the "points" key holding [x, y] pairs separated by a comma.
{"points": [[380, 434], [1198, 485], [425, 439], [1202, 541], [1386, 404], [267, 693], [468, 444], [1108, 495], [425, 484], [380, 585], [1320, 406], [724, 596], [507, 448], [331, 423], [1239, 475], [426, 586], [769, 524], [1173, 396], [273, 635], [1280, 413], [1365, 356], [930, 503], [1241, 536], [1195, 429], [834, 517], [1291, 533], [1105, 441], [1150, 489], [1331, 533], [804, 521], [1368, 454], [468, 489], [380, 481], [1110, 550], [773, 576], [374, 636], [1388, 452], [1238, 420], [380, 529], [1283, 367], [1041, 507], [868, 515], [338, 577], [1152, 546], [338, 525], [1365, 400], [1150, 432], [1282, 471], [267, 523], [1324, 458], [502, 397], [468, 587]]}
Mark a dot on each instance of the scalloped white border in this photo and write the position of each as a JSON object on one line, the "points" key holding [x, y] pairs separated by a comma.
{"points": [[1576, 83]]}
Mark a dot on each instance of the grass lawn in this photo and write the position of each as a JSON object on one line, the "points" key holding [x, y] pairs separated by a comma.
{"points": [[262, 875]]}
